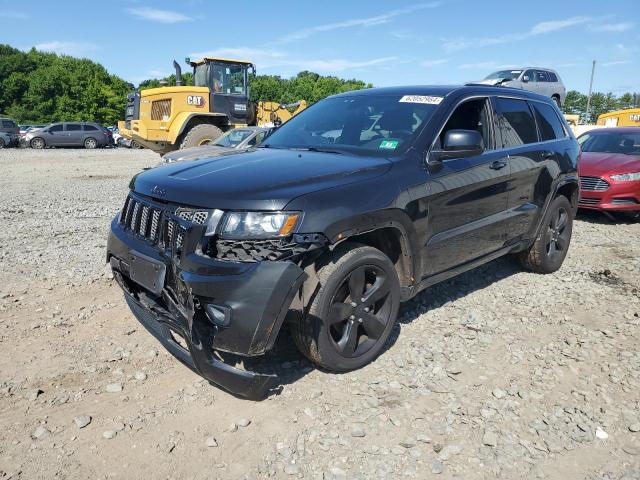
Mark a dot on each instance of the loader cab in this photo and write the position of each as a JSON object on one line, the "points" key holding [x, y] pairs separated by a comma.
{"points": [[228, 83]]}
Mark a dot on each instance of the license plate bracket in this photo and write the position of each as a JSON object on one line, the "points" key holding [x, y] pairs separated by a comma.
{"points": [[147, 272]]}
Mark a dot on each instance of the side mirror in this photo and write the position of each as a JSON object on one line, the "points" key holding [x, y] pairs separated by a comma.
{"points": [[457, 144], [525, 79]]}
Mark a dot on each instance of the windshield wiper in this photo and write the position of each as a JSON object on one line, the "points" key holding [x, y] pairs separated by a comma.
{"points": [[322, 150]]}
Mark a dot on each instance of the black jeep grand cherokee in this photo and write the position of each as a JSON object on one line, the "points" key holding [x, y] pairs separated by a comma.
{"points": [[353, 206]]}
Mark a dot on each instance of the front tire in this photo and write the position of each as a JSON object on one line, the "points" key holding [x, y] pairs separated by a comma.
{"points": [[203, 134], [550, 248], [37, 143], [90, 143], [353, 312], [2, 144]]}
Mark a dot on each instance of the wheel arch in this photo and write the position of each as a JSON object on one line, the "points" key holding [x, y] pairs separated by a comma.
{"points": [[391, 232], [187, 120]]}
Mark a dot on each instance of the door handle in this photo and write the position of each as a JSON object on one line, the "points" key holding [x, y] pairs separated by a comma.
{"points": [[498, 164], [547, 155]]}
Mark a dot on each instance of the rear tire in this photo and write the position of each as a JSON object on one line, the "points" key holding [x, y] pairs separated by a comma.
{"points": [[556, 99], [202, 134], [2, 144], [37, 143], [550, 248], [353, 311], [90, 143]]}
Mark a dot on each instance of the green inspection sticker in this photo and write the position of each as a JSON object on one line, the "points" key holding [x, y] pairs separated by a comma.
{"points": [[388, 144]]}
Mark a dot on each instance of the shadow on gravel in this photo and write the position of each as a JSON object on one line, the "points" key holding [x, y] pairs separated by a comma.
{"points": [[290, 365], [601, 218]]}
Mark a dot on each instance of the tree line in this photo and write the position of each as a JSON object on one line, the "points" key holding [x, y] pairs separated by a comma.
{"points": [[40, 87]]}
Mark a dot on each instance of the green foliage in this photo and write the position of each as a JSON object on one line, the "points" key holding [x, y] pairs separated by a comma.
{"points": [[307, 86], [38, 87], [576, 102]]}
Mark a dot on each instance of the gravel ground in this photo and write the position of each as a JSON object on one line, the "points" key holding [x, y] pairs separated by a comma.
{"points": [[497, 373]]}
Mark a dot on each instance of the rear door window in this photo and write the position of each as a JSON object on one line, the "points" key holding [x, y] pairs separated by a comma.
{"points": [[549, 124], [73, 127], [541, 76], [8, 124], [516, 122]]}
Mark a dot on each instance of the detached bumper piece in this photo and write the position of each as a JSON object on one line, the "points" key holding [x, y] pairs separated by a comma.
{"points": [[250, 385]]}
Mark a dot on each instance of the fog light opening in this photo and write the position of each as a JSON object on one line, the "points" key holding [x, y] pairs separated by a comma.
{"points": [[218, 314]]}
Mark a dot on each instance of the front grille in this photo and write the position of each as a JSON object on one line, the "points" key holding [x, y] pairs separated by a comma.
{"points": [[594, 184], [160, 109], [141, 219], [588, 201]]}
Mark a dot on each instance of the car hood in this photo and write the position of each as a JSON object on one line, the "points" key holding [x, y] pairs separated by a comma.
{"points": [[596, 163], [196, 153], [260, 179]]}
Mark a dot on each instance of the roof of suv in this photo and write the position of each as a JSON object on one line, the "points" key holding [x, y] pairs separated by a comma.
{"points": [[444, 90]]}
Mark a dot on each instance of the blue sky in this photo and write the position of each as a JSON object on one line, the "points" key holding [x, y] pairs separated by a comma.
{"points": [[385, 43]]}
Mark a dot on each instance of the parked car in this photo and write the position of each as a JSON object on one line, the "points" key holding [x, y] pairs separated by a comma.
{"points": [[534, 79], [10, 127], [330, 234], [236, 139], [610, 170], [7, 140], [70, 134]]}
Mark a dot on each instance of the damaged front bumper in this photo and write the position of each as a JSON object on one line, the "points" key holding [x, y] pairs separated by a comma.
{"points": [[200, 307]]}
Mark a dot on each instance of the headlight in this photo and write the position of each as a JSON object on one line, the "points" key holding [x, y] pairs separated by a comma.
{"points": [[626, 177], [255, 225]]}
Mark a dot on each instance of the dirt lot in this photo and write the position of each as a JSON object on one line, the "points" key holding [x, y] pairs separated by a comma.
{"points": [[497, 373]]}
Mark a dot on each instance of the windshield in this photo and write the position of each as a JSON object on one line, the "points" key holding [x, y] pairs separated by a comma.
{"points": [[363, 124], [201, 75], [508, 74], [233, 138], [611, 142], [229, 79]]}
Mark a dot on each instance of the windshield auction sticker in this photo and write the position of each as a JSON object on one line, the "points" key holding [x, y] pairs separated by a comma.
{"points": [[421, 99], [388, 144]]}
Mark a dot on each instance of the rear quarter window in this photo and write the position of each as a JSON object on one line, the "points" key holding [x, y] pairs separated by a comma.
{"points": [[516, 122], [90, 128], [552, 77], [549, 124], [8, 124]]}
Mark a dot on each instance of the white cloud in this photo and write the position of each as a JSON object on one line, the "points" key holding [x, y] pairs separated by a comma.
{"points": [[14, 15], [616, 62], [555, 25], [160, 16], [355, 22], [478, 66], [67, 48], [434, 63], [463, 43], [265, 59], [613, 27]]}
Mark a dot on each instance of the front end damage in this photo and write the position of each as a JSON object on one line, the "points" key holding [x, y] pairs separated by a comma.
{"points": [[201, 297]]}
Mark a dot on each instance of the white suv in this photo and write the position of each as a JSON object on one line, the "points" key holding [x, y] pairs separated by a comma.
{"points": [[539, 80]]}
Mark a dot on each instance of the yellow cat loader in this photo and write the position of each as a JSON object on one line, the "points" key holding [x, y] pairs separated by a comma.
{"points": [[169, 118]]}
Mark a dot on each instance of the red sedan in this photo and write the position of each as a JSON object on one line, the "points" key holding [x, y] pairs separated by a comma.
{"points": [[610, 170]]}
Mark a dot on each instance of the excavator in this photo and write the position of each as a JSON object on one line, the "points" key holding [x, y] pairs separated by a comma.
{"points": [[169, 118]]}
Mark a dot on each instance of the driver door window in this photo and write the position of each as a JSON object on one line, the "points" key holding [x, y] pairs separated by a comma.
{"points": [[471, 115]]}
